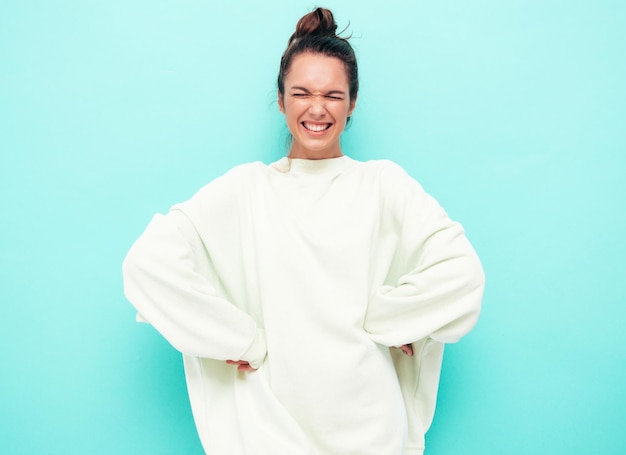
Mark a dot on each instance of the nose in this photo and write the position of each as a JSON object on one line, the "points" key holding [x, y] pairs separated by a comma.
{"points": [[318, 106]]}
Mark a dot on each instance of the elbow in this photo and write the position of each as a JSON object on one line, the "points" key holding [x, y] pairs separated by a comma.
{"points": [[455, 330], [477, 282], [475, 291], [468, 306], [128, 266], [133, 274], [130, 269], [473, 300], [139, 265], [474, 282]]}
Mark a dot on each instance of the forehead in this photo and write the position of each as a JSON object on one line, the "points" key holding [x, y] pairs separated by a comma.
{"points": [[316, 71]]}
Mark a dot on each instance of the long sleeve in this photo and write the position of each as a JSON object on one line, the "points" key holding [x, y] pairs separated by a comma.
{"points": [[436, 281], [163, 280]]}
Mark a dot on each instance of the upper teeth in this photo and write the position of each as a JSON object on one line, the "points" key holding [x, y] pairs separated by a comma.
{"points": [[313, 127]]}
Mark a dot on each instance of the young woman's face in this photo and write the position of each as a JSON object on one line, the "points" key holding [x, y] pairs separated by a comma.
{"points": [[316, 104]]}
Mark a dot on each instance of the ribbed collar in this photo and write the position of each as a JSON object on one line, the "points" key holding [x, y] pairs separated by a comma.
{"points": [[317, 167]]}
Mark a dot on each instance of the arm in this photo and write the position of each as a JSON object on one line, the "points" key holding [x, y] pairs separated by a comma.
{"points": [[162, 280], [436, 290]]}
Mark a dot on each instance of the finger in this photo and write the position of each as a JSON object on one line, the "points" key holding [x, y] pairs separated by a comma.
{"points": [[242, 365]]}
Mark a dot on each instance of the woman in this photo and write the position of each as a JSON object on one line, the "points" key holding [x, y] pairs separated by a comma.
{"points": [[285, 286]]}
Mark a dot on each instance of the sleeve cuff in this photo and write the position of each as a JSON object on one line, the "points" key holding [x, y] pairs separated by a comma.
{"points": [[255, 354]]}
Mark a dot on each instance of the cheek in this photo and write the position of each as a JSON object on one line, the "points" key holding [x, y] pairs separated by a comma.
{"points": [[293, 109], [342, 112]]}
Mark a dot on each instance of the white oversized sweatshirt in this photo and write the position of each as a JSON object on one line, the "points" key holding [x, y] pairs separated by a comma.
{"points": [[310, 270]]}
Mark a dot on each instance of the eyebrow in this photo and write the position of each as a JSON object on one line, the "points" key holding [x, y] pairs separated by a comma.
{"points": [[306, 90]]}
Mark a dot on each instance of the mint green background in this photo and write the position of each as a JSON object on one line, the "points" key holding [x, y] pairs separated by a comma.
{"points": [[511, 113]]}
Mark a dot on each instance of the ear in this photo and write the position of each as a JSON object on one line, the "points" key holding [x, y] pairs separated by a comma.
{"points": [[281, 104], [352, 106]]}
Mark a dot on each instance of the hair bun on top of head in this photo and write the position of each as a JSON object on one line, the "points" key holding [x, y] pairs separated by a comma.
{"points": [[316, 33], [319, 22]]}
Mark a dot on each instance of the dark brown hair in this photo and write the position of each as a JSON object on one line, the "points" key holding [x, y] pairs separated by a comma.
{"points": [[316, 33]]}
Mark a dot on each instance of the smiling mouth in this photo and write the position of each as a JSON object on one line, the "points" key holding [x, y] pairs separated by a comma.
{"points": [[316, 128]]}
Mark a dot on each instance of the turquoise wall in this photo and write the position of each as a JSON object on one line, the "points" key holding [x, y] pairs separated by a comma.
{"points": [[512, 114]]}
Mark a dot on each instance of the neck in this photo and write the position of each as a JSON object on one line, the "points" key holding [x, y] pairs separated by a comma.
{"points": [[307, 154]]}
